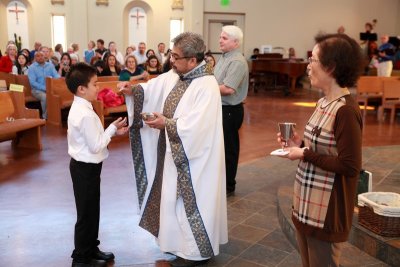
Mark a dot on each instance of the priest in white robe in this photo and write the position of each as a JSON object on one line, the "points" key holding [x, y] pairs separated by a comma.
{"points": [[179, 156]]}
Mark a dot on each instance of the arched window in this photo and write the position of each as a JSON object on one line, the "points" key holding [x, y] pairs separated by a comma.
{"points": [[137, 26], [17, 22]]}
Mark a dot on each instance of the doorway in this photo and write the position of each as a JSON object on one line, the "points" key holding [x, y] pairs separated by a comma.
{"points": [[213, 23]]}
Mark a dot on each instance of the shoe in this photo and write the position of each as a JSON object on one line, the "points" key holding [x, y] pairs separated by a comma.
{"points": [[80, 264], [92, 263], [105, 256], [181, 262], [230, 192]]}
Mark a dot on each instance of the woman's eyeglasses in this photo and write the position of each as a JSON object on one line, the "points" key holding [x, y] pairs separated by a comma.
{"points": [[312, 60]]}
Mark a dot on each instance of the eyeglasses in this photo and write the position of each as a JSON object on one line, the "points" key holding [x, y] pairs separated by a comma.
{"points": [[312, 60], [176, 57]]}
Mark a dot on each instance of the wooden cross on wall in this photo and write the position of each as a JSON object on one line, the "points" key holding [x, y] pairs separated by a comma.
{"points": [[16, 11], [137, 16]]}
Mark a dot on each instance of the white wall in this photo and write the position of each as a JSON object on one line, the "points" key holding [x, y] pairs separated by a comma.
{"points": [[280, 23], [295, 22]]}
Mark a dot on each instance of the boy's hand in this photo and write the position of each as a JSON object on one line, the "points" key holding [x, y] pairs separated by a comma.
{"points": [[122, 131], [121, 125]]}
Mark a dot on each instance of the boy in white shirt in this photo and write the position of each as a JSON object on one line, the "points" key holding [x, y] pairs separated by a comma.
{"points": [[87, 146]]}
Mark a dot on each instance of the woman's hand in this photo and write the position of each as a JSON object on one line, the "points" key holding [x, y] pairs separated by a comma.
{"points": [[295, 153], [145, 75], [295, 141]]}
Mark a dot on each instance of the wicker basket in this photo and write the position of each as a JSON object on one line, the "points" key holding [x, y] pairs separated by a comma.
{"points": [[379, 212]]}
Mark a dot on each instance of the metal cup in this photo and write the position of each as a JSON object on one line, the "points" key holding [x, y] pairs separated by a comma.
{"points": [[287, 131]]}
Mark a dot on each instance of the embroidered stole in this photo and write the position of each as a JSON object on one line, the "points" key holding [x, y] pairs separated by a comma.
{"points": [[136, 144]]}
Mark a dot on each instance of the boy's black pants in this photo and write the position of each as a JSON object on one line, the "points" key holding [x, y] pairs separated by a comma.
{"points": [[86, 183]]}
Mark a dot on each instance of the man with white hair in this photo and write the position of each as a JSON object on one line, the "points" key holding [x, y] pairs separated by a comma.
{"points": [[386, 53], [232, 74]]}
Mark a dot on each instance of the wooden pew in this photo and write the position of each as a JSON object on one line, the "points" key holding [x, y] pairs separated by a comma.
{"points": [[8, 77], [58, 97], [23, 80], [107, 78], [17, 123], [390, 98], [98, 105], [3, 85], [370, 88]]}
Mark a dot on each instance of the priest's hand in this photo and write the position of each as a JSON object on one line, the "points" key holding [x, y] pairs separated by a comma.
{"points": [[158, 122], [124, 88]]}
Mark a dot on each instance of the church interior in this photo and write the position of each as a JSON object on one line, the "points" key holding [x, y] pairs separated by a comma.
{"points": [[37, 208]]}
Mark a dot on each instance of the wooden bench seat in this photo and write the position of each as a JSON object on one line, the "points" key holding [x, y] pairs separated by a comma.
{"points": [[390, 99], [369, 89], [8, 77], [107, 78], [24, 80], [98, 105], [17, 123], [58, 97]]}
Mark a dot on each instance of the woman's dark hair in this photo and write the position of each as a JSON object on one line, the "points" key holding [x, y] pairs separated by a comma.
{"points": [[340, 55], [167, 64], [148, 51], [100, 63], [107, 67], [27, 53], [65, 54], [153, 57], [79, 75], [19, 67]]}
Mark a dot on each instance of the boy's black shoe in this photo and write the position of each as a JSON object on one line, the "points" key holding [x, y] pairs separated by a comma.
{"points": [[230, 192], [92, 263], [105, 256]]}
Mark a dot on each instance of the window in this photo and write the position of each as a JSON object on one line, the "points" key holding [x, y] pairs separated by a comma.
{"points": [[17, 22], [58, 30], [175, 28], [137, 26]]}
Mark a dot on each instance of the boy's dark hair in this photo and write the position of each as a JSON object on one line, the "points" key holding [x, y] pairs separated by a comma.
{"points": [[79, 75]]}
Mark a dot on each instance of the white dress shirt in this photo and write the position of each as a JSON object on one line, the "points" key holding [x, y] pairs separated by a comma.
{"points": [[141, 59], [87, 139]]}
